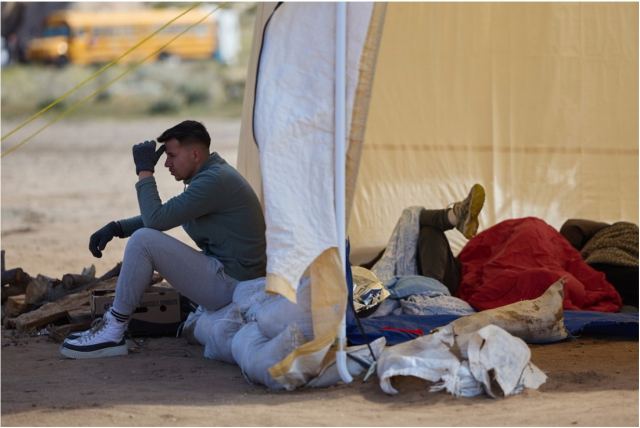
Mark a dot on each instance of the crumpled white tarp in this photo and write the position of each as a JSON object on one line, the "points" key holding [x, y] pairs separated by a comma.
{"points": [[399, 258], [259, 329], [248, 294], [275, 314], [464, 356], [458, 357], [255, 353], [256, 330], [359, 360], [215, 330], [495, 354], [491, 353]]}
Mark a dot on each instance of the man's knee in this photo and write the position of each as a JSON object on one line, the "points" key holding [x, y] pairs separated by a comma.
{"points": [[144, 236]]}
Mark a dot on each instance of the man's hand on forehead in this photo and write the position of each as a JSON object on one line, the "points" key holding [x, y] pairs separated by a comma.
{"points": [[146, 156]]}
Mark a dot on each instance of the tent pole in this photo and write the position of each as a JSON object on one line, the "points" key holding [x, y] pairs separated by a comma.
{"points": [[340, 168]]}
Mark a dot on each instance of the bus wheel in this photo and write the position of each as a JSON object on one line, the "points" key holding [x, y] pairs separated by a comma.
{"points": [[61, 61], [168, 57]]}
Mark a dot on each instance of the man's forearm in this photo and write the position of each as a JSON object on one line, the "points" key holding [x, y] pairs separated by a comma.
{"points": [[130, 225], [144, 174]]}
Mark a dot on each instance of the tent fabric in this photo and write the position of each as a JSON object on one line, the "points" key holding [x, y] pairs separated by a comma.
{"points": [[292, 124], [248, 160], [517, 260], [360, 113], [294, 130], [536, 101]]}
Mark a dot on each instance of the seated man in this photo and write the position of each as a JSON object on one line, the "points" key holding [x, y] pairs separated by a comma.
{"points": [[219, 211]]}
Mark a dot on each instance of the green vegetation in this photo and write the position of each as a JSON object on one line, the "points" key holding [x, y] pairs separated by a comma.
{"points": [[156, 88]]}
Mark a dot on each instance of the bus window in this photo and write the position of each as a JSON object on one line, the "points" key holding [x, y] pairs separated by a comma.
{"points": [[123, 32], [175, 29], [200, 30], [102, 31], [57, 31]]}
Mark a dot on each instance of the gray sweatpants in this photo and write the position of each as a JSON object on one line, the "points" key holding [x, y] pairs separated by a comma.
{"points": [[199, 277]]}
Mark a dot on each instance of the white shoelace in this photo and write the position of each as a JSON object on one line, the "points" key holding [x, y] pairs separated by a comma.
{"points": [[96, 326]]}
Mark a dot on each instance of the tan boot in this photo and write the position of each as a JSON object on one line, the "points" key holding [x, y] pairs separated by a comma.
{"points": [[467, 210]]}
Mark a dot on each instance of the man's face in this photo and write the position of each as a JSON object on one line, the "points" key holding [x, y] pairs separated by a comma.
{"points": [[181, 160]]}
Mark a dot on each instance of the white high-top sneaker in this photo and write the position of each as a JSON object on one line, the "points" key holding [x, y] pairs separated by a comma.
{"points": [[77, 334], [106, 339]]}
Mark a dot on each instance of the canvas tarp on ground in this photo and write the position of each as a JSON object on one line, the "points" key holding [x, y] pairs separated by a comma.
{"points": [[536, 101]]}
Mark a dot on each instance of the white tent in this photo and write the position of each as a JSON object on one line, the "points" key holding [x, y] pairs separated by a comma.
{"points": [[536, 101]]}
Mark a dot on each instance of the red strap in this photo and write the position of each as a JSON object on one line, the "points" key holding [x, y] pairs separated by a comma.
{"points": [[416, 332]]}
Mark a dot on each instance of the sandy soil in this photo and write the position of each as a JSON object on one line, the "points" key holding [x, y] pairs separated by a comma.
{"points": [[76, 177], [592, 382]]}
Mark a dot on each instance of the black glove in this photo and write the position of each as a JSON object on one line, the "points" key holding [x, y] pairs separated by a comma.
{"points": [[99, 240], [145, 155]]}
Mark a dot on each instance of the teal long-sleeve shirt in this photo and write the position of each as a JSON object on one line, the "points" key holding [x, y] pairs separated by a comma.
{"points": [[219, 211]]}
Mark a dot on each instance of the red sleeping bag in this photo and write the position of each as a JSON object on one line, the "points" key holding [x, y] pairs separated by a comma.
{"points": [[519, 259]]}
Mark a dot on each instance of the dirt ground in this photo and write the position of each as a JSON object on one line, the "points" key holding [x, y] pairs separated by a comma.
{"points": [[77, 176]]}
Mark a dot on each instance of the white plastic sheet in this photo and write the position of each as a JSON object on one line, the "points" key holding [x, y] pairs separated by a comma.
{"points": [[255, 353], [276, 314], [215, 330], [359, 360], [250, 293], [491, 352], [234, 333], [294, 129], [495, 354]]}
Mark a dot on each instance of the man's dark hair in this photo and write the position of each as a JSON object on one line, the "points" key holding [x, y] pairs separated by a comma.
{"points": [[187, 132]]}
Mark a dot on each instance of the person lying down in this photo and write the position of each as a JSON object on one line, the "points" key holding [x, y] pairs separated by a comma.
{"points": [[514, 260]]}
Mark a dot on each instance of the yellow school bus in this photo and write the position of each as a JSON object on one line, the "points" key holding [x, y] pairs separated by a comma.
{"points": [[82, 37]]}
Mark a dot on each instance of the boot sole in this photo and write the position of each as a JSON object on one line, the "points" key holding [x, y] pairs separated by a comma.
{"points": [[477, 202], [112, 351]]}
